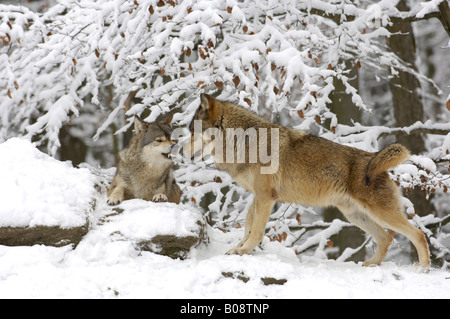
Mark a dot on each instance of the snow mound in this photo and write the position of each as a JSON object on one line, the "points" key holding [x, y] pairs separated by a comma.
{"points": [[163, 228], [144, 220], [38, 190]]}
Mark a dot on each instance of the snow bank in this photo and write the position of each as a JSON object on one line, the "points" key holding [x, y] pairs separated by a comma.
{"points": [[102, 268], [37, 190], [143, 220], [164, 228]]}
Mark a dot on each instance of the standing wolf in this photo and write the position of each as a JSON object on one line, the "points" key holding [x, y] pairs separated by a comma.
{"points": [[316, 172], [145, 169]]}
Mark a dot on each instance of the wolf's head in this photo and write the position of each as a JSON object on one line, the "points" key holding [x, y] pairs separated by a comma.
{"points": [[208, 112], [207, 119], [233, 135], [153, 141]]}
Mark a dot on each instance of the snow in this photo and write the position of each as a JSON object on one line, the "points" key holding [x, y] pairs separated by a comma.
{"points": [[36, 189], [107, 265], [143, 220], [102, 268], [428, 7]]}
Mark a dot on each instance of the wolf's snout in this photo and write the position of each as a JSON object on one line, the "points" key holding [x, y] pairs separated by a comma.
{"points": [[167, 155], [171, 153]]}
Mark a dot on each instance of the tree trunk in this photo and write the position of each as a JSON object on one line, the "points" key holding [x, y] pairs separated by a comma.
{"points": [[72, 148], [405, 88], [346, 111], [407, 100]]}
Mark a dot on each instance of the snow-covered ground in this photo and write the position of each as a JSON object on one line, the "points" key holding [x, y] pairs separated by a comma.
{"points": [[102, 268], [107, 266]]}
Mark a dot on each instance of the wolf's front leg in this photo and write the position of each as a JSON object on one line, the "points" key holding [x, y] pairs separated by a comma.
{"points": [[116, 196], [116, 191], [158, 198], [261, 213], [248, 225]]}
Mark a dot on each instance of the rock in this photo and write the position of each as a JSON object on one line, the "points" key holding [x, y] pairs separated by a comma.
{"points": [[43, 201], [42, 235], [163, 228], [243, 277], [236, 275], [273, 281], [171, 246]]}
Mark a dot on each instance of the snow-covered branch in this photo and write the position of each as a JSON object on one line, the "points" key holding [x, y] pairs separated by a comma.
{"points": [[437, 9], [266, 56]]}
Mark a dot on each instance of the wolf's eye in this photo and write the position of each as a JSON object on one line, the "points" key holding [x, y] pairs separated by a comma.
{"points": [[159, 140]]}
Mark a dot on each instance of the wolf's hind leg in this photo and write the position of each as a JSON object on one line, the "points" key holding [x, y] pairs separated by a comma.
{"points": [[397, 221], [367, 224]]}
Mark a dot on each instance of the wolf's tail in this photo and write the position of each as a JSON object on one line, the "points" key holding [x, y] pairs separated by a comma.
{"points": [[388, 157]]}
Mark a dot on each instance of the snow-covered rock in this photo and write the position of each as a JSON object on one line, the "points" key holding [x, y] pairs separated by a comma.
{"points": [[43, 201], [163, 228], [48, 202]]}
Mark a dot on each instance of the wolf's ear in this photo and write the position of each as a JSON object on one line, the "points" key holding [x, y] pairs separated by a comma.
{"points": [[139, 124], [168, 120], [206, 102]]}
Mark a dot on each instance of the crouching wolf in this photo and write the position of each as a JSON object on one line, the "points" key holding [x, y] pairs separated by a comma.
{"points": [[145, 168], [311, 171]]}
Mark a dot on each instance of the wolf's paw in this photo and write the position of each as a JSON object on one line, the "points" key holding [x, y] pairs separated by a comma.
{"points": [[114, 199], [237, 251], [159, 198], [369, 264]]}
